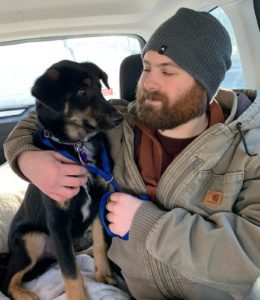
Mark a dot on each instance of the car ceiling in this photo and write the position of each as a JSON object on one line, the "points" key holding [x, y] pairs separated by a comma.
{"points": [[28, 19]]}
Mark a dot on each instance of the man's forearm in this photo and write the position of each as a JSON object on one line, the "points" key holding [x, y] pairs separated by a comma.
{"points": [[19, 140]]}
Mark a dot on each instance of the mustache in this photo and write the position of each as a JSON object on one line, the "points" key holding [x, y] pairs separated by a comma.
{"points": [[143, 94]]}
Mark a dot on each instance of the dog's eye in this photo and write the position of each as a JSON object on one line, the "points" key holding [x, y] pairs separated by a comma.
{"points": [[82, 92]]}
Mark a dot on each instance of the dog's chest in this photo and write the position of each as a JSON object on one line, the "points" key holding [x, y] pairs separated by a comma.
{"points": [[88, 154], [86, 206], [81, 212], [86, 203]]}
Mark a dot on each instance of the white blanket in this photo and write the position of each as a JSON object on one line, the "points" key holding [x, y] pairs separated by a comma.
{"points": [[50, 286], [12, 190]]}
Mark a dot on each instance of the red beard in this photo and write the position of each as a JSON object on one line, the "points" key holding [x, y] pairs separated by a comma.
{"points": [[172, 112]]}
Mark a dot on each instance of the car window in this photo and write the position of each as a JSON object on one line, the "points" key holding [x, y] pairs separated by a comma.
{"points": [[22, 63], [234, 77]]}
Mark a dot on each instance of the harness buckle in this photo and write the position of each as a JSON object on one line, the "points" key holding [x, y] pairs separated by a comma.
{"points": [[110, 180]]}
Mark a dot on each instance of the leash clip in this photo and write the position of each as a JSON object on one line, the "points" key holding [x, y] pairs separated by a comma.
{"points": [[82, 153], [46, 133], [110, 180]]}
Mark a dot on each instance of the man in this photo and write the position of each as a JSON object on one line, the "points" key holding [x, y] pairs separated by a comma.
{"points": [[193, 152]]}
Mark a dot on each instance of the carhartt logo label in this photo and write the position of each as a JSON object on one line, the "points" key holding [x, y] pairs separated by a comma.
{"points": [[213, 198]]}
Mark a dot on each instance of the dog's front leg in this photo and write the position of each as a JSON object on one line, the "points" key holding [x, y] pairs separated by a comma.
{"points": [[102, 266], [59, 231]]}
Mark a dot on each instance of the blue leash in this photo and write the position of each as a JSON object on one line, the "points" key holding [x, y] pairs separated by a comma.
{"points": [[105, 174]]}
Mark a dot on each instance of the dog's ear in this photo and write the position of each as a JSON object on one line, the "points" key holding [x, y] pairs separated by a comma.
{"points": [[48, 89], [99, 72]]}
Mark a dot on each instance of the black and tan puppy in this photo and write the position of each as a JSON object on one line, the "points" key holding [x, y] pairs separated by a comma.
{"points": [[71, 108]]}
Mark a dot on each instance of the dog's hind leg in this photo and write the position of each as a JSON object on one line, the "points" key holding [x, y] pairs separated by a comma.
{"points": [[23, 259], [102, 266]]}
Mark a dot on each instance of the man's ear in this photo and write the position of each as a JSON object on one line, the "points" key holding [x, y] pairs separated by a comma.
{"points": [[48, 90], [99, 72]]}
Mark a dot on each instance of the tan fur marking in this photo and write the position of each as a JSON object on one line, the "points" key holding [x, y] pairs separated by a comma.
{"points": [[77, 118], [66, 108], [63, 204], [75, 127], [87, 82], [15, 289], [35, 244], [103, 269], [75, 132], [89, 113], [75, 289], [53, 74]]}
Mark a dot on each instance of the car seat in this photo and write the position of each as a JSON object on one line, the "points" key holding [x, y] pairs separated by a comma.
{"points": [[129, 73]]}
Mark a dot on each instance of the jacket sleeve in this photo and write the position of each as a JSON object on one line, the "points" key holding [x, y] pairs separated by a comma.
{"points": [[19, 140], [220, 249]]}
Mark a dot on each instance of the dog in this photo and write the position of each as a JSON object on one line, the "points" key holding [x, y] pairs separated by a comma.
{"points": [[72, 111]]}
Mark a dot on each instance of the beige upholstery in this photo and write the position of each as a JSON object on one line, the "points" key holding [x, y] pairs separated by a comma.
{"points": [[12, 190]]}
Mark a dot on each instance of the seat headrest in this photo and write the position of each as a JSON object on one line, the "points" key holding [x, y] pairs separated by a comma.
{"points": [[129, 73]]}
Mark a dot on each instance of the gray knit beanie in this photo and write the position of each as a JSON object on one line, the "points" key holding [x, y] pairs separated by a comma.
{"points": [[198, 43]]}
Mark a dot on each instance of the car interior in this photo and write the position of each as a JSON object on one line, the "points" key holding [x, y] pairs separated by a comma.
{"points": [[111, 34]]}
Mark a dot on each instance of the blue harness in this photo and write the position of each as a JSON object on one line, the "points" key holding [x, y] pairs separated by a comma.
{"points": [[106, 174]]}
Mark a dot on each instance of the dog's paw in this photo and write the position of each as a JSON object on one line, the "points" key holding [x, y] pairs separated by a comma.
{"points": [[106, 278], [104, 274]]}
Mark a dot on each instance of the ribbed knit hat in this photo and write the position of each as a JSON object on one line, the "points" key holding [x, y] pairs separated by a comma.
{"points": [[198, 43]]}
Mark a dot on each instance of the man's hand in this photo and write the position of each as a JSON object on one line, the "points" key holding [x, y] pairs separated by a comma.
{"points": [[122, 208], [55, 175]]}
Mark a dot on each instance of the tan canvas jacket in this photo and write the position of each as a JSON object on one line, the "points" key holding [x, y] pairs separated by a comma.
{"points": [[202, 240]]}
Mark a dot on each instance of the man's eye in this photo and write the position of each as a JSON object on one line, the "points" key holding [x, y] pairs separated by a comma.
{"points": [[82, 92], [146, 70], [167, 73]]}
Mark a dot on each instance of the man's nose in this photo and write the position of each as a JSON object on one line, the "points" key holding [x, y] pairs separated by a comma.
{"points": [[151, 82]]}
